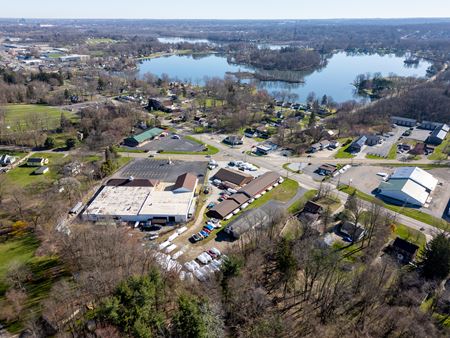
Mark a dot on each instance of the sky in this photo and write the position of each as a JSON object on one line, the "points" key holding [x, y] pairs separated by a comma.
{"points": [[224, 9]]}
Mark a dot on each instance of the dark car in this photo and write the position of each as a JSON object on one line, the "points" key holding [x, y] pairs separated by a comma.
{"points": [[150, 227]]}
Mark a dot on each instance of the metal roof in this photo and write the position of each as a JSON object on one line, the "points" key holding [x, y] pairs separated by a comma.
{"points": [[417, 175], [405, 190], [147, 135]]}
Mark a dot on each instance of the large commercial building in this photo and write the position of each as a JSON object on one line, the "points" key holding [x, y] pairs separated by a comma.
{"points": [[132, 200], [409, 186], [238, 201]]}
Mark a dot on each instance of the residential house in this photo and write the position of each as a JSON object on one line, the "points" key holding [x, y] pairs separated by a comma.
{"points": [[233, 140], [314, 148], [403, 250], [350, 231], [250, 133], [326, 169], [334, 144], [6, 160], [372, 140], [324, 144], [357, 145], [37, 161]]}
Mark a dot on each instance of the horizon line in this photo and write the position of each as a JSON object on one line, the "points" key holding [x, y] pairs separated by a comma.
{"points": [[231, 19]]}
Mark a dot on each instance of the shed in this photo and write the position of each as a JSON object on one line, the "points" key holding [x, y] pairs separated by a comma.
{"points": [[41, 170]]}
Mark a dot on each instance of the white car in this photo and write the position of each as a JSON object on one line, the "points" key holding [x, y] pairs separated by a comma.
{"points": [[204, 258], [200, 276], [216, 251]]}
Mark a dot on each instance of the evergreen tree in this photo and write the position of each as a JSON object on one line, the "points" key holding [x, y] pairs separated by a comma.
{"points": [[435, 258]]}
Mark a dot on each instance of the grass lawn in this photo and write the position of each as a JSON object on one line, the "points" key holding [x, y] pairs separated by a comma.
{"points": [[121, 161], [343, 153], [331, 202], [413, 213], [283, 193], [298, 205], [410, 234], [211, 149], [438, 153], [425, 166], [34, 117], [12, 251], [23, 175], [128, 150], [44, 271]]}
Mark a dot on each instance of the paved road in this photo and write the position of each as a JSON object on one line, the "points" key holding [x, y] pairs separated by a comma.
{"points": [[305, 181]]}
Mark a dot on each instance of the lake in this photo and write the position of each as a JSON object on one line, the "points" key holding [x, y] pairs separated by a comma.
{"points": [[334, 80]]}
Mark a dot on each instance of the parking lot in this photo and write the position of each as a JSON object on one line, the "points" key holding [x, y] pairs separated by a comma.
{"points": [[363, 178], [169, 143], [389, 139], [161, 169], [418, 134], [441, 194]]}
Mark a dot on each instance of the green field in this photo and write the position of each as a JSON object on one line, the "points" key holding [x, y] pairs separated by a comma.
{"points": [[23, 175], [413, 213], [439, 153], [25, 117], [43, 272]]}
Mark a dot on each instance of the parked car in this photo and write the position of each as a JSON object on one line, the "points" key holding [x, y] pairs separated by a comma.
{"points": [[211, 253], [204, 233], [175, 137], [216, 251], [209, 227], [210, 205], [195, 238]]}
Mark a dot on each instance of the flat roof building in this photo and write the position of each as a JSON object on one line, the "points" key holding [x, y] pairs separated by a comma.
{"points": [[132, 200]]}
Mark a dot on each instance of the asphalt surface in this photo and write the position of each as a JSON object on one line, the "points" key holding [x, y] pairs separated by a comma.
{"points": [[160, 169]]}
